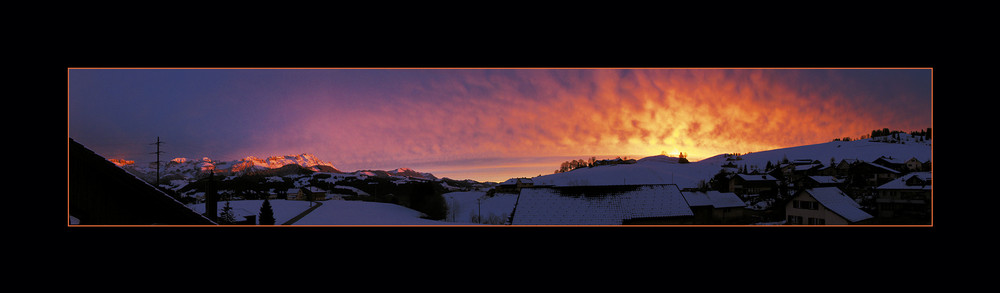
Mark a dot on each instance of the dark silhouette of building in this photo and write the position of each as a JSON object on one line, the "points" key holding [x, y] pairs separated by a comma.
{"points": [[100, 193]]}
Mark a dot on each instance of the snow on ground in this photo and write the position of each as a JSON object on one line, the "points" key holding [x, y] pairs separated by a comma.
{"points": [[331, 212], [865, 150], [666, 170], [284, 210], [463, 205]]}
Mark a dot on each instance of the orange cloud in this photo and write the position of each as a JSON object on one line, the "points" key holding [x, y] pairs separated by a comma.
{"points": [[465, 114]]}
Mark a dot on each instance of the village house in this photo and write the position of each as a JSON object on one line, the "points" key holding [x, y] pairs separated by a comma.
{"points": [[871, 174], [843, 168], [907, 198], [310, 193], [824, 206], [514, 185], [795, 170], [714, 207], [743, 184], [830, 170], [900, 165]]}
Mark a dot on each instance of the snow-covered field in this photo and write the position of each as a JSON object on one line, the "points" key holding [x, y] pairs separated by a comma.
{"points": [[284, 210], [341, 212], [464, 205]]}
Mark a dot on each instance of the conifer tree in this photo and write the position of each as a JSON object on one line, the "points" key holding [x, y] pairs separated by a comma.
{"points": [[227, 217], [266, 213]]}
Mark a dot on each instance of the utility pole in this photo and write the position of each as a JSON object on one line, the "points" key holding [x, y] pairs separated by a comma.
{"points": [[158, 152]]}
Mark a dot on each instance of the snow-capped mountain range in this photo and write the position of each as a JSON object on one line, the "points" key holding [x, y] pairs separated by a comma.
{"points": [[184, 168], [190, 168]]}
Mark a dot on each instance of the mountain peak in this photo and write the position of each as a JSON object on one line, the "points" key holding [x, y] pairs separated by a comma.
{"points": [[403, 171]]}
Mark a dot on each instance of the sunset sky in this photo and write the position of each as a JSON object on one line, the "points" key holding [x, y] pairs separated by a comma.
{"points": [[482, 124]]}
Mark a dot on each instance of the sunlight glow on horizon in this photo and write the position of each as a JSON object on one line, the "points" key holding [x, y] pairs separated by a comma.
{"points": [[390, 118]]}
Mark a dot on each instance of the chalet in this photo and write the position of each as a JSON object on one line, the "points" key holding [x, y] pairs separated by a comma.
{"points": [[824, 206], [514, 185], [871, 174], [713, 207], [309, 193], [913, 165], [907, 198], [897, 164], [101, 193], [830, 170], [844, 166], [752, 184], [601, 205], [793, 171]]}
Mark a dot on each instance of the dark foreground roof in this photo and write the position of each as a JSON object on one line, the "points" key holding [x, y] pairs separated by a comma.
{"points": [[100, 193], [598, 205]]}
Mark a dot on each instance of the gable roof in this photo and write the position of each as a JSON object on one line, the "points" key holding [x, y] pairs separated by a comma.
{"points": [[901, 182], [597, 205], [838, 202], [825, 179], [878, 167], [713, 198]]}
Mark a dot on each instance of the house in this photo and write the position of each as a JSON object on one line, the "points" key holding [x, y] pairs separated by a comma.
{"points": [[844, 167], [830, 170], [824, 206], [796, 169], [101, 193], [310, 193], [913, 165], [752, 184], [897, 164], [514, 185], [601, 205], [714, 207], [907, 198], [871, 174]]}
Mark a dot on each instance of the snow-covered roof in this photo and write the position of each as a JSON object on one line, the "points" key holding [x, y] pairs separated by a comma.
{"points": [[757, 177], [900, 183], [806, 167], [838, 202], [514, 181], [313, 189], [893, 160], [890, 170], [609, 206], [825, 179], [713, 198]]}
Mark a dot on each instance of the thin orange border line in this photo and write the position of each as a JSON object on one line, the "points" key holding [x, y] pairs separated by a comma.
{"points": [[68, 216]]}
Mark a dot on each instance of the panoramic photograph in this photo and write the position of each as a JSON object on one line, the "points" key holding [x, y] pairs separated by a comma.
{"points": [[475, 147]]}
